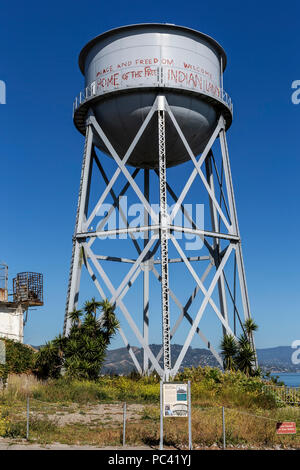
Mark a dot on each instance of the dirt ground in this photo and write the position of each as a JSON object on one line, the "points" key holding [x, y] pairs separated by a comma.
{"points": [[6, 444], [105, 415], [93, 413]]}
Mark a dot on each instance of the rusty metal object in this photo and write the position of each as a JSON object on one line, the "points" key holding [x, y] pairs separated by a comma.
{"points": [[28, 289]]}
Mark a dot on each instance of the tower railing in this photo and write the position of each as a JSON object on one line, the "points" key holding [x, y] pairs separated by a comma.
{"points": [[93, 90]]}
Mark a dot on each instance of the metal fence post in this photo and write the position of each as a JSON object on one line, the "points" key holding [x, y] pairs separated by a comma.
{"points": [[27, 423], [124, 423], [224, 431], [161, 441]]}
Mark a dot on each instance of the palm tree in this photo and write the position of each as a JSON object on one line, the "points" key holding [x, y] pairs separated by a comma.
{"points": [[240, 354], [243, 340], [229, 350], [250, 326], [49, 350], [48, 362], [75, 317], [82, 352], [91, 307], [59, 342], [108, 321], [246, 359]]}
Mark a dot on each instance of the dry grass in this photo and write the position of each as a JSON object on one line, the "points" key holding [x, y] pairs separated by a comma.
{"points": [[80, 426], [228, 389], [72, 413], [242, 428], [22, 385]]}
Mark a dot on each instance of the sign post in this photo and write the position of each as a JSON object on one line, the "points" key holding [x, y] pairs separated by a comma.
{"points": [[190, 415], [161, 442], [224, 431], [27, 420]]}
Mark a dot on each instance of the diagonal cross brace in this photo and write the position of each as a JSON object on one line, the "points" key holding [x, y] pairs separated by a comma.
{"points": [[198, 165], [184, 313], [194, 172], [201, 311], [116, 201], [121, 164], [101, 292], [200, 284], [122, 192], [126, 314]]}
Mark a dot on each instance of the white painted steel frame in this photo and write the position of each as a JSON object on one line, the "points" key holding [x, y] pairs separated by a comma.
{"points": [[164, 234], [162, 230]]}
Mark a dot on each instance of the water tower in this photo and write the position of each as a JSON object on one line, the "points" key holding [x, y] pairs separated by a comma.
{"points": [[154, 99]]}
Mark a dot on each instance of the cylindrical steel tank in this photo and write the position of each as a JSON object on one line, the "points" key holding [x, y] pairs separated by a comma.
{"points": [[127, 67]]}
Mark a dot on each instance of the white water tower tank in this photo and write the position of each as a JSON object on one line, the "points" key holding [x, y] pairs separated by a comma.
{"points": [[127, 67]]}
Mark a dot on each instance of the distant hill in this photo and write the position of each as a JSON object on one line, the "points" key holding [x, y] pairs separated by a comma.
{"points": [[118, 361], [277, 359]]}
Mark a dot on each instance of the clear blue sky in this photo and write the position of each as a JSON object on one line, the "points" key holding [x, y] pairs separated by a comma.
{"points": [[40, 150]]}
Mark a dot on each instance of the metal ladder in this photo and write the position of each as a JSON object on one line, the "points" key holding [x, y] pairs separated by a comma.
{"points": [[164, 244], [75, 231]]}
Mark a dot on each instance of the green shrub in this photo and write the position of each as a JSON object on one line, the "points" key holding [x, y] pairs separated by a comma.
{"points": [[20, 358], [4, 423], [79, 355]]}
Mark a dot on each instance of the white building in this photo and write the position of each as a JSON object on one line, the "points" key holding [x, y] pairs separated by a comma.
{"points": [[11, 321]]}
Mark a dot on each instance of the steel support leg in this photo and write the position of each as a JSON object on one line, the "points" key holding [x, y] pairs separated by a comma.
{"points": [[76, 260], [146, 278], [164, 238], [216, 228], [234, 221]]}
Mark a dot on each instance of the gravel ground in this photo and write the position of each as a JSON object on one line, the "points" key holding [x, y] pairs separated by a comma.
{"points": [[6, 444], [88, 414]]}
